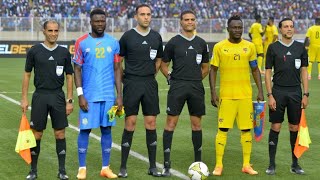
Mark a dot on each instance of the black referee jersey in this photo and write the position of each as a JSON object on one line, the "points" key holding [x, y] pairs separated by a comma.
{"points": [[49, 65], [286, 61], [187, 55], [140, 52]]}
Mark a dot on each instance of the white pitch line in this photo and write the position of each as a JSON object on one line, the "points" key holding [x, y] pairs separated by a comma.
{"points": [[114, 145]]}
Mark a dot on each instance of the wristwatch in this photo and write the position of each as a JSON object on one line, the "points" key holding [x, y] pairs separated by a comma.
{"points": [[306, 94], [269, 94], [69, 101]]}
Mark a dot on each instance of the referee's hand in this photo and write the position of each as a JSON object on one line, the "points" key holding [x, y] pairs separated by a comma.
{"points": [[24, 105], [69, 108]]}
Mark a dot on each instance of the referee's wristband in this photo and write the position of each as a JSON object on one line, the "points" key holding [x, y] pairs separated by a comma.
{"points": [[79, 91]]}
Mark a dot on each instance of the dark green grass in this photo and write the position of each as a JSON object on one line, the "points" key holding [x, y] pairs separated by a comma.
{"points": [[13, 167]]}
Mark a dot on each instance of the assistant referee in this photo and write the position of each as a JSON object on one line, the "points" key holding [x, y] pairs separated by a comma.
{"points": [[190, 56]]}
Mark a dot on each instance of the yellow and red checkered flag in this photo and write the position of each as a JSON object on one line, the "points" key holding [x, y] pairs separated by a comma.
{"points": [[26, 140], [303, 138]]}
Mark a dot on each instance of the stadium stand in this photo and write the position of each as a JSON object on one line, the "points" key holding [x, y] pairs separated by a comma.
{"points": [[207, 9]]}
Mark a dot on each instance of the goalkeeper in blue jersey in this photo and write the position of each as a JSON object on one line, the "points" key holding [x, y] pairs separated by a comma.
{"points": [[97, 72]]}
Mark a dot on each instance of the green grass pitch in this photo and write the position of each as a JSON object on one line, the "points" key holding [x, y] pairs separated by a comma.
{"points": [[13, 167]]}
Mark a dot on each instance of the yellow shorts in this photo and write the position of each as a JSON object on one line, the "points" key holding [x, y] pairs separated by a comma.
{"points": [[239, 109], [314, 53], [259, 48]]}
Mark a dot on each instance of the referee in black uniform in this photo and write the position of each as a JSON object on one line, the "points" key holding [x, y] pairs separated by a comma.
{"points": [[190, 56], [142, 50], [50, 62], [289, 59]]}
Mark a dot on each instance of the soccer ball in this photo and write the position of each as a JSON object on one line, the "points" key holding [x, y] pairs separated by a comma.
{"points": [[198, 171]]}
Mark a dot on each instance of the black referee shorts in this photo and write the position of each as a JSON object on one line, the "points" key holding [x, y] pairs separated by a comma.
{"points": [[182, 91], [142, 90], [52, 102], [286, 98]]}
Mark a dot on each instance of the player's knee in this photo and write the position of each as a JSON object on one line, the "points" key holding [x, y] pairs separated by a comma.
{"points": [[293, 127], [59, 133], [37, 134], [130, 124], [171, 125], [150, 125], [276, 127]]}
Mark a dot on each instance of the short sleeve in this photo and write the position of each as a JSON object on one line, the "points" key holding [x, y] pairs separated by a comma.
{"points": [[304, 58], [30, 60], [253, 55], [205, 53], [116, 47], [215, 60], [269, 58], [168, 52], [78, 58], [123, 46], [160, 48], [69, 67], [308, 33]]}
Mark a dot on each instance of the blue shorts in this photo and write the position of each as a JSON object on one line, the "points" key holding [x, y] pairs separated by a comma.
{"points": [[96, 116]]}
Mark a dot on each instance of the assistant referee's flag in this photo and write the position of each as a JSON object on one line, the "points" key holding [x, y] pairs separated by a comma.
{"points": [[303, 138], [26, 140]]}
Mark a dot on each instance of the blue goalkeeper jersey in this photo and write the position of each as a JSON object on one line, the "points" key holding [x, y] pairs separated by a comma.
{"points": [[96, 56]]}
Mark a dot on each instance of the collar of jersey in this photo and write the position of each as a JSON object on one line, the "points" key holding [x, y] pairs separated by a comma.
{"points": [[142, 34], [188, 39], [50, 49]]}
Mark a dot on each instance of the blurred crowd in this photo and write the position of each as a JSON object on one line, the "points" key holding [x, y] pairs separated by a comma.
{"points": [[207, 9]]}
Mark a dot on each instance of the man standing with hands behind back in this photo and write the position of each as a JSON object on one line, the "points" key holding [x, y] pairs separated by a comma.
{"points": [[142, 50], [190, 56]]}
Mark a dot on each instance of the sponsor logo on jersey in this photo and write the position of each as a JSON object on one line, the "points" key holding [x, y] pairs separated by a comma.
{"points": [[109, 49]]}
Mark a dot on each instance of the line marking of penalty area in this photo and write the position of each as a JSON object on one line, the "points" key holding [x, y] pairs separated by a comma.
{"points": [[116, 146]]}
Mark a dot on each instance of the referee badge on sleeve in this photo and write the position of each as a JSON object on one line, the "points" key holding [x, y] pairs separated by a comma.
{"points": [[199, 58], [59, 70], [297, 63], [153, 53]]}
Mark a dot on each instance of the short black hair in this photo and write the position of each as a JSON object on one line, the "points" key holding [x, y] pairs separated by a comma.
{"points": [[271, 18], [187, 12], [140, 6], [285, 19], [50, 21], [317, 20], [97, 11], [234, 17], [256, 17]]}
